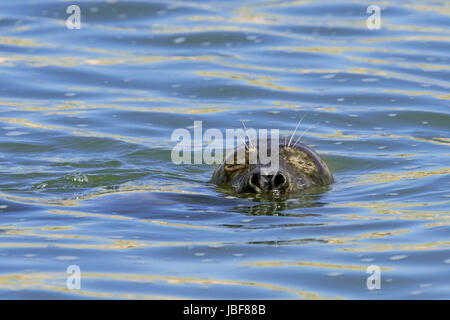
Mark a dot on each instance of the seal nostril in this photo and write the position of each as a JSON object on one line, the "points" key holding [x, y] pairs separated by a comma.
{"points": [[279, 180], [254, 181]]}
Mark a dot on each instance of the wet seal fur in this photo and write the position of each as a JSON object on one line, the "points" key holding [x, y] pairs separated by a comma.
{"points": [[299, 168]]}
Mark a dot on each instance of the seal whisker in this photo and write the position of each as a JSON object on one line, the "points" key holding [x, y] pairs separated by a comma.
{"points": [[245, 128], [299, 138], [243, 140], [296, 129]]}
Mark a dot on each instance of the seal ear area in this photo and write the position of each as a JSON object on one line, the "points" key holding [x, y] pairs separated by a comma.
{"points": [[309, 162], [323, 174], [301, 160]]}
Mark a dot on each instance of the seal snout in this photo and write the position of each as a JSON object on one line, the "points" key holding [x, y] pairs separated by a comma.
{"points": [[293, 168], [259, 182]]}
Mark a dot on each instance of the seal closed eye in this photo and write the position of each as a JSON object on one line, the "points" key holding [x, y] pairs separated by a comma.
{"points": [[299, 167]]}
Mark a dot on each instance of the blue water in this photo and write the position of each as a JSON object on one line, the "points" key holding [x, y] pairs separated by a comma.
{"points": [[86, 176]]}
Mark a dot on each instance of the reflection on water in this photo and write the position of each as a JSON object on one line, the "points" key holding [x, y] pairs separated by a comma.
{"points": [[277, 204], [85, 170]]}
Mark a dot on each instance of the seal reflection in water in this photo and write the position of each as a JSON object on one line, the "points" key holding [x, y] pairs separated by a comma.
{"points": [[299, 167]]}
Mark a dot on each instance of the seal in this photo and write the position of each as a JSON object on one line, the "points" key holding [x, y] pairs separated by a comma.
{"points": [[299, 167]]}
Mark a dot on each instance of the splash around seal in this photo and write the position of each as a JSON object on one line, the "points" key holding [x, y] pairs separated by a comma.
{"points": [[298, 167]]}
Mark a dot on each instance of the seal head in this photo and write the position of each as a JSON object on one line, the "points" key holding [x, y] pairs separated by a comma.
{"points": [[298, 167]]}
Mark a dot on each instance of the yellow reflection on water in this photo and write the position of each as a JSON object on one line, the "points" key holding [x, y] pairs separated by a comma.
{"points": [[107, 245], [22, 42], [261, 81], [337, 134], [396, 176], [386, 247], [419, 93], [345, 51], [408, 38], [73, 131], [80, 107], [40, 232], [65, 61], [89, 214], [182, 225], [119, 217], [340, 135], [57, 282], [441, 218], [381, 204], [123, 190], [364, 236], [442, 8], [438, 224], [311, 264], [336, 50]]}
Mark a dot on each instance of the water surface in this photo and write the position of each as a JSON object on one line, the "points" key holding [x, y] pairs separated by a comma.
{"points": [[86, 176]]}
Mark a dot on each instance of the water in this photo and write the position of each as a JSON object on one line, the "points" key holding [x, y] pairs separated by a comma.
{"points": [[86, 176]]}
